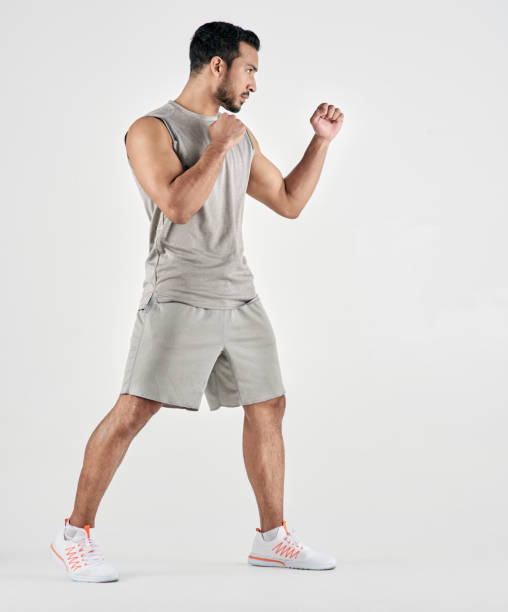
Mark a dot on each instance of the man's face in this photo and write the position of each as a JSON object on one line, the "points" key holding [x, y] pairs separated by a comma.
{"points": [[239, 80]]}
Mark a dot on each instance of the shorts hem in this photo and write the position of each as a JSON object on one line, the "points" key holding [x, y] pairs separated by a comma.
{"points": [[242, 403], [164, 404]]}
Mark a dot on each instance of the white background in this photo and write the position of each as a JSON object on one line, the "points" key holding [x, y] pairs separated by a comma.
{"points": [[388, 297]]}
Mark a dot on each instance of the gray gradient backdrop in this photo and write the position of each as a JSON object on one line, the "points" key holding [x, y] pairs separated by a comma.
{"points": [[388, 297]]}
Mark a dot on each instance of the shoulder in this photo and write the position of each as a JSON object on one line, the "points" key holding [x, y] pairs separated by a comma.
{"points": [[147, 129]]}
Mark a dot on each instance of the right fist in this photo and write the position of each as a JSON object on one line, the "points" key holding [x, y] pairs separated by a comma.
{"points": [[226, 131]]}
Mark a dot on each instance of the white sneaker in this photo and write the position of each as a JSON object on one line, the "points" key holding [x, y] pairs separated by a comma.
{"points": [[77, 549], [286, 550]]}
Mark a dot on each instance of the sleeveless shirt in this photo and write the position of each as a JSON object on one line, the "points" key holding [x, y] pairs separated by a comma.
{"points": [[201, 262]]}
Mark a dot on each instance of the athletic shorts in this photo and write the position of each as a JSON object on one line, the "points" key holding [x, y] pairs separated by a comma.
{"points": [[178, 352]]}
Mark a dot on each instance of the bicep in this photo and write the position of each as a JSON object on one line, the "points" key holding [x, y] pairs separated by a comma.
{"points": [[152, 157]]}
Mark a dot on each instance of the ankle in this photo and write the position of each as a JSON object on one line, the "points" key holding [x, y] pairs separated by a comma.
{"points": [[269, 526], [77, 522]]}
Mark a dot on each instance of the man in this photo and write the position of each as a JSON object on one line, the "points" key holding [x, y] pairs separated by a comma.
{"points": [[200, 326]]}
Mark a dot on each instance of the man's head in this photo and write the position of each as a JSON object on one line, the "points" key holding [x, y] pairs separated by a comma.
{"points": [[225, 56]]}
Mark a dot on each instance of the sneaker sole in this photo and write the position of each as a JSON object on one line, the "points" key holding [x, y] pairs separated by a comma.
{"points": [[267, 562], [61, 562]]}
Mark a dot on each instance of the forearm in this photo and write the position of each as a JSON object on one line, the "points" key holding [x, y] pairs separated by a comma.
{"points": [[190, 190], [302, 180]]}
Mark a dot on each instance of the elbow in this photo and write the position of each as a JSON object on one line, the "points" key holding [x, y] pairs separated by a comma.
{"points": [[178, 217], [175, 213], [290, 212], [292, 215]]}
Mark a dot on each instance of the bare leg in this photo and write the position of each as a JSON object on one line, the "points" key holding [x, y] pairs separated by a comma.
{"points": [[263, 453], [104, 452]]}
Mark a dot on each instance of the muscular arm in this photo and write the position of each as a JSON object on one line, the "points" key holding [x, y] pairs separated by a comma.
{"points": [[287, 196], [177, 192]]}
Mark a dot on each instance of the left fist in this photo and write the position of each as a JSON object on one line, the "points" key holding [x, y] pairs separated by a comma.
{"points": [[327, 120]]}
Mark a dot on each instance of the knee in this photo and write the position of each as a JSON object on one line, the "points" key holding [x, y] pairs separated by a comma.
{"points": [[279, 406], [271, 410], [131, 413]]}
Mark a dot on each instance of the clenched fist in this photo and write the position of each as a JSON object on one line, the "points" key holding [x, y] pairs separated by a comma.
{"points": [[226, 131], [327, 120]]}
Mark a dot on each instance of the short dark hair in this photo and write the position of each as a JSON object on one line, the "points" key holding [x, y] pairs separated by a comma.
{"points": [[218, 38]]}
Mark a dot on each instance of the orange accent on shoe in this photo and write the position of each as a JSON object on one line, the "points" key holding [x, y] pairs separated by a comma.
{"points": [[87, 529], [53, 549], [258, 529], [285, 550], [73, 557], [286, 529], [264, 559], [66, 521]]}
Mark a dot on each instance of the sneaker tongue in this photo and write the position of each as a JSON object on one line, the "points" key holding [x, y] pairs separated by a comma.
{"points": [[76, 533]]}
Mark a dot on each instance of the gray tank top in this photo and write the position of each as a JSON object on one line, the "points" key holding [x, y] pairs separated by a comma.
{"points": [[200, 262]]}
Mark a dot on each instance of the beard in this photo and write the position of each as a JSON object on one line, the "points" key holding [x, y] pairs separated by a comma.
{"points": [[226, 98]]}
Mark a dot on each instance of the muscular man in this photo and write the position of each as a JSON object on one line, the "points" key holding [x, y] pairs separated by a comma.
{"points": [[200, 325]]}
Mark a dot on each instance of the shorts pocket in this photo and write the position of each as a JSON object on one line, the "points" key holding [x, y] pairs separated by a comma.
{"points": [[148, 305], [252, 301]]}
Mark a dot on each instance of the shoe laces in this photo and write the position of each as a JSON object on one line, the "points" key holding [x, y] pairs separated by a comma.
{"points": [[87, 548], [293, 538]]}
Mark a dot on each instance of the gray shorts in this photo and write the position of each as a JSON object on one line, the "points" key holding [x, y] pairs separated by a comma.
{"points": [[178, 351]]}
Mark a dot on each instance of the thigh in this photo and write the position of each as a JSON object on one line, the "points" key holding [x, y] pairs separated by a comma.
{"points": [[248, 369], [173, 350]]}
